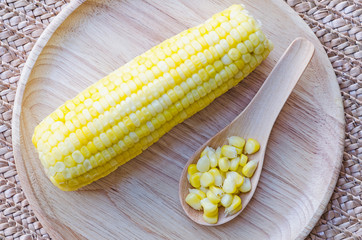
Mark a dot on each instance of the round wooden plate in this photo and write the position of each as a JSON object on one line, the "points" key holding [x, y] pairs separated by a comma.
{"points": [[140, 199]]}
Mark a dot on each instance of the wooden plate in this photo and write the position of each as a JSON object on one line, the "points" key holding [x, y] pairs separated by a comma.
{"points": [[140, 199]]}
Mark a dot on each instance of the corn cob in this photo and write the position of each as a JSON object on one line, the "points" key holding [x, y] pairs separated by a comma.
{"points": [[115, 119]]}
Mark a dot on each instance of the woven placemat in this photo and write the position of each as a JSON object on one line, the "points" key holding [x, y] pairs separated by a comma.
{"points": [[336, 23]]}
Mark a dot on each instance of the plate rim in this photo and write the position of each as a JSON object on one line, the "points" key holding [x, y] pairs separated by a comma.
{"points": [[28, 68]]}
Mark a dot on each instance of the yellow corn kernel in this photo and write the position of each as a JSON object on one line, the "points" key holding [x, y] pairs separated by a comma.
{"points": [[213, 197], [243, 160], [229, 151], [210, 209], [226, 200], [191, 169], [236, 141], [249, 168], [203, 164], [217, 176], [246, 187], [218, 153], [234, 164], [193, 200], [218, 191], [224, 164], [204, 152], [237, 178], [212, 157], [229, 186], [198, 192], [206, 179], [234, 207], [212, 219], [251, 146], [195, 180]]}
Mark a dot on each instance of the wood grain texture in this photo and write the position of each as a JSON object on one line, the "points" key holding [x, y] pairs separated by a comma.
{"points": [[255, 121], [140, 199]]}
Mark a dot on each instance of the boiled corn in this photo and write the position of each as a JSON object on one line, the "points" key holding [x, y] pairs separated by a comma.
{"points": [[115, 119]]}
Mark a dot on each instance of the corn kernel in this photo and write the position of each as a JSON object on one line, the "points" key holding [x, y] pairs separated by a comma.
{"points": [[236, 141], [217, 177], [224, 164], [249, 168], [234, 164], [246, 186], [236, 177], [226, 200], [193, 200], [234, 207], [251, 146], [228, 151], [206, 179], [212, 219], [210, 209], [213, 197], [243, 160], [217, 191], [195, 180], [198, 192], [229, 186], [191, 169], [203, 164]]}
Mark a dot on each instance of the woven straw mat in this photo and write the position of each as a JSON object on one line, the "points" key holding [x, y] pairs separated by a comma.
{"points": [[336, 23]]}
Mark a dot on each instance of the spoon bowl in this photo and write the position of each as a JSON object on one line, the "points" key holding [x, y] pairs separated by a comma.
{"points": [[255, 121]]}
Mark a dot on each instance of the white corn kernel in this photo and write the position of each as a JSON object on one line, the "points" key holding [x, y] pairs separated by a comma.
{"points": [[226, 200], [234, 164], [246, 186], [193, 200], [213, 197], [224, 164], [206, 179], [229, 186], [229, 151], [249, 168], [203, 165], [234, 207], [251, 146], [198, 192]]}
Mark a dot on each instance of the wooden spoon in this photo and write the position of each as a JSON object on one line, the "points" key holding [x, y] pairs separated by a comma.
{"points": [[256, 121]]}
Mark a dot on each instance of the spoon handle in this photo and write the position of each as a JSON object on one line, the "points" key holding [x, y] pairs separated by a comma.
{"points": [[269, 100]]}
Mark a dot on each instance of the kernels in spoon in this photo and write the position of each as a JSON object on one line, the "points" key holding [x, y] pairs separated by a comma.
{"points": [[203, 165], [229, 151], [224, 164], [249, 168], [206, 179], [234, 164], [193, 200], [218, 152], [251, 146], [246, 187], [226, 200]]}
